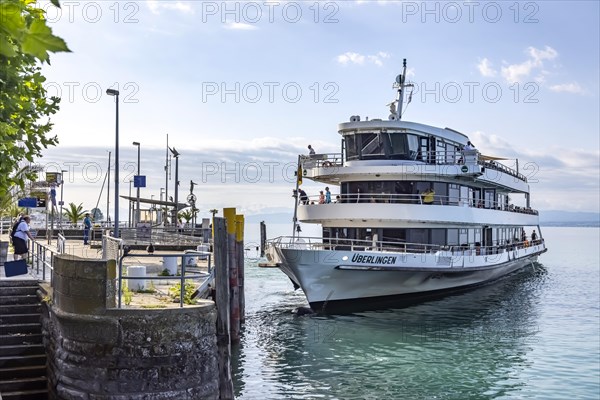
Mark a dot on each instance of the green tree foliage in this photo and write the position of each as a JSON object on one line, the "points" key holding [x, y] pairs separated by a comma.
{"points": [[74, 213], [97, 214], [25, 41]]}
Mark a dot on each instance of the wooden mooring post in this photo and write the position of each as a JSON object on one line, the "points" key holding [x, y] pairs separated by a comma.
{"points": [[234, 289], [263, 238], [223, 300], [239, 244]]}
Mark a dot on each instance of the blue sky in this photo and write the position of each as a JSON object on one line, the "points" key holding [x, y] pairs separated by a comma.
{"points": [[245, 86]]}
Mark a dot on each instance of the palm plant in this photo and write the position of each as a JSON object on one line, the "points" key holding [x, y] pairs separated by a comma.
{"points": [[186, 214], [74, 213]]}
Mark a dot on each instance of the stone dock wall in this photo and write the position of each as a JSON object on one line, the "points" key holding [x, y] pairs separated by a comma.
{"points": [[96, 351]]}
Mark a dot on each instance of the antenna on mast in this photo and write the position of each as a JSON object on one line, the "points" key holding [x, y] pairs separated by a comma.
{"points": [[396, 112]]}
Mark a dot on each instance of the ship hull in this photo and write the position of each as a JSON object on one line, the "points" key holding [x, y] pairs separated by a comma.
{"points": [[336, 281]]}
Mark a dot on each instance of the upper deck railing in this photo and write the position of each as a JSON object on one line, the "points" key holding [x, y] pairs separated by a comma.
{"points": [[465, 157], [422, 198]]}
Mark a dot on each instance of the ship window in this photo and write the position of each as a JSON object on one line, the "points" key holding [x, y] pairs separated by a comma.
{"points": [[453, 194], [371, 146], [438, 236], [413, 147], [398, 144], [452, 239], [351, 149]]}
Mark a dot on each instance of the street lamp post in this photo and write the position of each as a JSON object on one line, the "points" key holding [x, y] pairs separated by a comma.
{"points": [[114, 92], [62, 185], [162, 210], [176, 155], [137, 207], [129, 207]]}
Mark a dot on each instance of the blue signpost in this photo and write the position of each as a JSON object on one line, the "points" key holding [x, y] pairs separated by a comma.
{"points": [[139, 181], [28, 202]]}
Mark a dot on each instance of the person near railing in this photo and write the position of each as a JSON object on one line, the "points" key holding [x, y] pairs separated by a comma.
{"points": [[303, 197], [87, 225], [428, 196], [321, 197], [20, 238], [327, 195]]}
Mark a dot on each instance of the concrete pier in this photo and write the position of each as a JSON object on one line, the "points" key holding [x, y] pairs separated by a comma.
{"points": [[96, 351]]}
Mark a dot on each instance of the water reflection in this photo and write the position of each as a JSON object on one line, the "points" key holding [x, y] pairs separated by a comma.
{"points": [[465, 346]]}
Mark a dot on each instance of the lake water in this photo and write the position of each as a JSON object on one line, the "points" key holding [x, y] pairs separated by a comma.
{"points": [[532, 335]]}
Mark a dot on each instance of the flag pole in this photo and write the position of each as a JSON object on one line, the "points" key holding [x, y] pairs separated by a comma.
{"points": [[295, 196]]}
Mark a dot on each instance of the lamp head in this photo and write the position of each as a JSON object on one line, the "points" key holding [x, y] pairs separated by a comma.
{"points": [[174, 152], [136, 143], [112, 92]]}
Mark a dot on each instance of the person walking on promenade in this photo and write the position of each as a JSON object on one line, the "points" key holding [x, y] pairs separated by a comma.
{"points": [[87, 225], [327, 195]]}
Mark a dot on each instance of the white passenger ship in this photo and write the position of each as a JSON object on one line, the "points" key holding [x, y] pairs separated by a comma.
{"points": [[419, 214]]}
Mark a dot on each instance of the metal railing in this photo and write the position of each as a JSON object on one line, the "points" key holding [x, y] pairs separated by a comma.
{"points": [[443, 157], [41, 257], [160, 236], [420, 198], [387, 246]]}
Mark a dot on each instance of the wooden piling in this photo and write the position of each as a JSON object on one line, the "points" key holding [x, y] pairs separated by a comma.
{"points": [[263, 238], [239, 238], [234, 300], [222, 300]]}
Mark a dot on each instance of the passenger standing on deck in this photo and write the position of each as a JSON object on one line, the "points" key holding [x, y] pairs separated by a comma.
{"points": [[20, 238], [87, 225], [427, 196], [303, 197], [321, 197], [327, 196], [311, 151], [533, 237]]}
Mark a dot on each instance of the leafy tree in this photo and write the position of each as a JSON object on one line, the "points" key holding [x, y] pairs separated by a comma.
{"points": [[25, 41], [97, 214], [74, 213]]}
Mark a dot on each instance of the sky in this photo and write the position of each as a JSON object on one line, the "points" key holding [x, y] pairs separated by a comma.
{"points": [[241, 88]]}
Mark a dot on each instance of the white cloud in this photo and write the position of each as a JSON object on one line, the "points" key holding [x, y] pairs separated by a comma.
{"points": [[519, 72], [350, 57], [156, 6], [356, 58], [572, 87], [485, 68], [539, 55], [240, 26]]}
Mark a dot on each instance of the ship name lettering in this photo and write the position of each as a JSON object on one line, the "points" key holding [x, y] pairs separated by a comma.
{"points": [[359, 258]]}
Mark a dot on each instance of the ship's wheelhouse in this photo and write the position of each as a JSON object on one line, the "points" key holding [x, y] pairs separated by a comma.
{"points": [[399, 144]]}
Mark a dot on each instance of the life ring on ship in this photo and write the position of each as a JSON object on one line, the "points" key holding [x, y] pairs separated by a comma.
{"points": [[327, 164]]}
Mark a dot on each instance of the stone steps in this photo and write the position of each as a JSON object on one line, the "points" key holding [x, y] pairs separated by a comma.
{"points": [[22, 354]]}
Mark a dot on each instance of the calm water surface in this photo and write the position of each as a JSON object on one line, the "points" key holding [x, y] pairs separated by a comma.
{"points": [[533, 335]]}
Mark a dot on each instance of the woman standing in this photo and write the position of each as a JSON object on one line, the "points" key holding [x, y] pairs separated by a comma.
{"points": [[20, 238]]}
